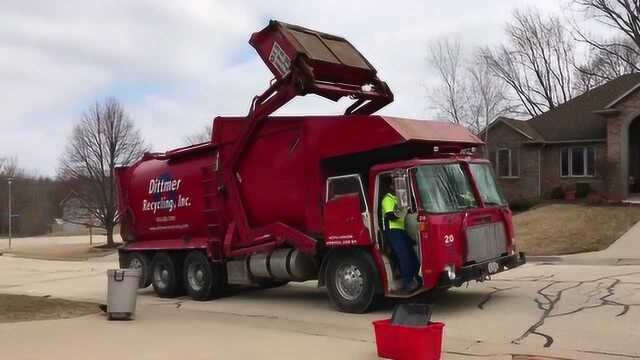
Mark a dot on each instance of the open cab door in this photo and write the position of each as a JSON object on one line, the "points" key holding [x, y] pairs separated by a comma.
{"points": [[346, 213]]}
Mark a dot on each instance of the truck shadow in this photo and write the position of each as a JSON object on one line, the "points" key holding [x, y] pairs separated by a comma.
{"points": [[453, 301], [303, 294], [308, 296]]}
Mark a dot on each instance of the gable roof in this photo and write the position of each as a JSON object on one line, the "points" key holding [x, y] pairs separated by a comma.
{"points": [[520, 126], [621, 98], [526, 128], [576, 120]]}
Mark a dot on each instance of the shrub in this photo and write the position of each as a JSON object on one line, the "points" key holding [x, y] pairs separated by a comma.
{"points": [[583, 189], [557, 193], [521, 205]]}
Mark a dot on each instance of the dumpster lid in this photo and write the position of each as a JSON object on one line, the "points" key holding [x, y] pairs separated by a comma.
{"points": [[120, 273], [306, 61], [333, 58]]}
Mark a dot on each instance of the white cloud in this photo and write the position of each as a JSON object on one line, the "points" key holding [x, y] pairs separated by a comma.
{"points": [[177, 65]]}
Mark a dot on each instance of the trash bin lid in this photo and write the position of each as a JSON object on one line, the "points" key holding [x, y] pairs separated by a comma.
{"points": [[411, 314], [124, 272]]}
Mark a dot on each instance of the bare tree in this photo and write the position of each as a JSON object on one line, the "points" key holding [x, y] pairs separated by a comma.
{"points": [[445, 56], [488, 99], [202, 136], [613, 56], [537, 62], [467, 93], [34, 200], [622, 15], [103, 139], [606, 63], [9, 167]]}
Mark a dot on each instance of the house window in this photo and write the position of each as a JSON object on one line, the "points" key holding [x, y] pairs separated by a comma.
{"points": [[507, 162], [577, 161]]}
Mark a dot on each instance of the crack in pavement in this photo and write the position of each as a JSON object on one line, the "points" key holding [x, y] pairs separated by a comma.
{"points": [[610, 354], [491, 294], [178, 305], [513, 356], [548, 301], [547, 307], [532, 278], [604, 301]]}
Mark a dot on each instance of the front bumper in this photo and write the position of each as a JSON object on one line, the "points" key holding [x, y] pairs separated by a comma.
{"points": [[480, 271]]}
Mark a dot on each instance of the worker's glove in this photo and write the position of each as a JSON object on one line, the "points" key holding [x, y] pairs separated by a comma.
{"points": [[400, 212]]}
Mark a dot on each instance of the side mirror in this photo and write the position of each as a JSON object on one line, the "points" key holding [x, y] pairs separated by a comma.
{"points": [[401, 182]]}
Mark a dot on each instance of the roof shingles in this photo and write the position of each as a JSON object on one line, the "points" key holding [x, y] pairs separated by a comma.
{"points": [[575, 119]]}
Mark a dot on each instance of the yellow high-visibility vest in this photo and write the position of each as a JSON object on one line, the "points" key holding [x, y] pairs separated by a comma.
{"points": [[388, 205]]}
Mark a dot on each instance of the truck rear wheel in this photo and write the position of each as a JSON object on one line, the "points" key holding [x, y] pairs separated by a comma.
{"points": [[137, 260], [165, 275], [350, 283], [202, 279]]}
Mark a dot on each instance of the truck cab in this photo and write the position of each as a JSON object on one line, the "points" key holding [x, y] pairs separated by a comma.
{"points": [[455, 214]]}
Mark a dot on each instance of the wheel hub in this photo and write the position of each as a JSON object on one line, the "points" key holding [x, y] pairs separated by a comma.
{"points": [[349, 282], [161, 276], [135, 264], [196, 277]]}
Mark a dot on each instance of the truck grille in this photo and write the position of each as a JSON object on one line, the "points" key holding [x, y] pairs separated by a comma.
{"points": [[486, 242]]}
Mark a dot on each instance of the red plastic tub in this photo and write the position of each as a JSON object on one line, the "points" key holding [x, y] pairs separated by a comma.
{"points": [[407, 342]]}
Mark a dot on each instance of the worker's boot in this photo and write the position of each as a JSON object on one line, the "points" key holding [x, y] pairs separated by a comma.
{"points": [[411, 287]]}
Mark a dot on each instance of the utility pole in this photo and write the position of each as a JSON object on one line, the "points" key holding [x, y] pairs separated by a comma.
{"points": [[9, 180]]}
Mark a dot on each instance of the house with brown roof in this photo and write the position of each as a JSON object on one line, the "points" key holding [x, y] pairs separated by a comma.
{"points": [[592, 139]]}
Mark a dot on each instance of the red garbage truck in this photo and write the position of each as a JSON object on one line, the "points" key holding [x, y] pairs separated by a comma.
{"points": [[274, 199]]}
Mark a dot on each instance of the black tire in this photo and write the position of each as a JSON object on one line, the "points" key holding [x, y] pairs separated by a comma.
{"points": [[202, 279], [166, 275], [355, 299], [138, 260]]}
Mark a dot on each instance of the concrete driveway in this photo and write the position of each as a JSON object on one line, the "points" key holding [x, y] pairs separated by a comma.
{"points": [[547, 310]]}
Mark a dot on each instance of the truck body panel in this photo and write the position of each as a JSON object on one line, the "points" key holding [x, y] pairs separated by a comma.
{"points": [[282, 175]]}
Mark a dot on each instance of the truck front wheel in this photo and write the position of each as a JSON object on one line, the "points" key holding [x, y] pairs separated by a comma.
{"points": [[350, 282], [202, 279], [165, 275]]}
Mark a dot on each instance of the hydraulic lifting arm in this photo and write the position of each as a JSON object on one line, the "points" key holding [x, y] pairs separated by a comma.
{"points": [[304, 62]]}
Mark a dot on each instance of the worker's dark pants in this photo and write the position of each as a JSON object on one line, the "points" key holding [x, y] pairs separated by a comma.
{"points": [[402, 247]]}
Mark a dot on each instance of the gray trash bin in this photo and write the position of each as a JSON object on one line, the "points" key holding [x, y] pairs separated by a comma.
{"points": [[122, 293]]}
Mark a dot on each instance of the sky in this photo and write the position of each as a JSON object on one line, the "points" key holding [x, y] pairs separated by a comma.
{"points": [[175, 65]]}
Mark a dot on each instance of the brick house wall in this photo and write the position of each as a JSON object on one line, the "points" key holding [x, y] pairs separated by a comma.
{"points": [[547, 177], [618, 140], [525, 185], [551, 170]]}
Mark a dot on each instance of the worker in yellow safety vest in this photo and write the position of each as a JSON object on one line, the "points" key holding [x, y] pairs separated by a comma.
{"points": [[402, 245]]}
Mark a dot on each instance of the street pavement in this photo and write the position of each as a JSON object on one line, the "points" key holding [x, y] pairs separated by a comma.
{"points": [[541, 311]]}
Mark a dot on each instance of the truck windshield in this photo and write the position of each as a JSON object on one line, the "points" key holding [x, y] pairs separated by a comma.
{"points": [[486, 183], [444, 188]]}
